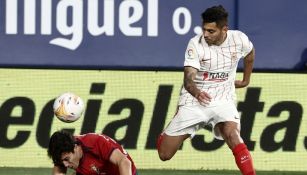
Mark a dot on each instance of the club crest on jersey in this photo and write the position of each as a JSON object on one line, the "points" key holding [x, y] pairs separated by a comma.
{"points": [[233, 55], [215, 76], [95, 169], [190, 53]]}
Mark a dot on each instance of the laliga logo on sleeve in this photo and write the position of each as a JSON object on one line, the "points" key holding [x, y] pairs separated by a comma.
{"points": [[190, 53]]}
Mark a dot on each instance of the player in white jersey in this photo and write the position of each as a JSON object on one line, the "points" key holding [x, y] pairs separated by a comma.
{"points": [[208, 95]]}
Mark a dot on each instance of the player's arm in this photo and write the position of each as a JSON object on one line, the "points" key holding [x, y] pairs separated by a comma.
{"points": [[121, 160], [247, 70], [190, 86], [58, 170]]}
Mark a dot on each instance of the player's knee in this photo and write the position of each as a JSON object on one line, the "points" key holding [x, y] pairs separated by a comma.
{"points": [[164, 156]]}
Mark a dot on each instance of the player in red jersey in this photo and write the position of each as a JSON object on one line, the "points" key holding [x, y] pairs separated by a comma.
{"points": [[89, 154]]}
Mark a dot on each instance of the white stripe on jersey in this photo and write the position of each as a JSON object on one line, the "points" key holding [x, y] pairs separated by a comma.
{"points": [[216, 66]]}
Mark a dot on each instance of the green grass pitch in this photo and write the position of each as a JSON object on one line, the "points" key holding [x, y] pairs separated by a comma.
{"points": [[47, 171]]}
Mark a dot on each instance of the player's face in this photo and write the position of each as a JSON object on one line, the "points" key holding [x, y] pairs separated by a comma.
{"points": [[71, 159], [213, 34]]}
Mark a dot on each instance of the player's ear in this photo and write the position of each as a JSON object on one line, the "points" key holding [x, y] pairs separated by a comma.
{"points": [[75, 148], [225, 28]]}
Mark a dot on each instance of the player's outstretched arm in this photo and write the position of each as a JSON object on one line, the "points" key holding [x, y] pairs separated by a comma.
{"points": [[59, 170], [121, 160], [247, 70]]}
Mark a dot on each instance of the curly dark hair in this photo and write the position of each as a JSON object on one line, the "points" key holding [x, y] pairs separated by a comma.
{"points": [[215, 14], [60, 142]]}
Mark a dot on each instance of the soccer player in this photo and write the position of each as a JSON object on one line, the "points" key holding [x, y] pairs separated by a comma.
{"points": [[208, 94], [89, 154]]}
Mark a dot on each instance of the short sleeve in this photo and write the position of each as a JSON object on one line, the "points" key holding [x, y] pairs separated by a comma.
{"points": [[106, 146], [247, 45], [191, 56]]}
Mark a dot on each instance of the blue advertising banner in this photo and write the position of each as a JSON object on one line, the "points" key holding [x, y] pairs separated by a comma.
{"points": [[142, 33], [99, 33]]}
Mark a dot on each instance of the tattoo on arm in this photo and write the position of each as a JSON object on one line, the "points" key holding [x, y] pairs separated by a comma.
{"points": [[189, 84]]}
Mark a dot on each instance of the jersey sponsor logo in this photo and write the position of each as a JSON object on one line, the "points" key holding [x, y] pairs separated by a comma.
{"points": [[215, 76]]}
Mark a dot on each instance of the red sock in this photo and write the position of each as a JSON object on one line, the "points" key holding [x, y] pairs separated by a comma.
{"points": [[243, 159], [159, 140]]}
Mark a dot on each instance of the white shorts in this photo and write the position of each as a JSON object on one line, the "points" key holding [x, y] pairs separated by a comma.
{"points": [[189, 119]]}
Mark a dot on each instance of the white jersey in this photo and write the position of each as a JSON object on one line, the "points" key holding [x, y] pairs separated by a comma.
{"points": [[216, 66]]}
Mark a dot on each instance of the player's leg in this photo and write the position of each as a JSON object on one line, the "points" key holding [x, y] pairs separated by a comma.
{"points": [[231, 134], [227, 126], [168, 145], [184, 124]]}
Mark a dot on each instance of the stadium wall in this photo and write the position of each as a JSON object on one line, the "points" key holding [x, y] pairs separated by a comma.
{"points": [[134, 106]]}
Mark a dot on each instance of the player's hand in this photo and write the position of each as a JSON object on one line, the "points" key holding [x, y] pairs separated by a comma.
{"points": [[203, 98], [241, 83]]}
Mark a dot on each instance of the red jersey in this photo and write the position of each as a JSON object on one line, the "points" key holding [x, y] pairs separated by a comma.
{"points": [[97, 149]]}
